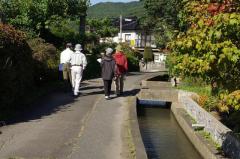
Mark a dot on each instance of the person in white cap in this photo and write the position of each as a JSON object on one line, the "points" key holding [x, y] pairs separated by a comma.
{"points": [[78, 63], [108, 71], [65, 58]]}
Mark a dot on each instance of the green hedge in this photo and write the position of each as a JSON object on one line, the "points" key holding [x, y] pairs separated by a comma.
{"points": [[46, 60], [132, 56], [15, 68]]}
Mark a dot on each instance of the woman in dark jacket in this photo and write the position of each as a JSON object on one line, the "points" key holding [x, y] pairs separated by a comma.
{"points": [[108, 71]]}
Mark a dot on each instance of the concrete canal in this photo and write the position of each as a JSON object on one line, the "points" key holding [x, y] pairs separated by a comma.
{"points": [[163, 138]]}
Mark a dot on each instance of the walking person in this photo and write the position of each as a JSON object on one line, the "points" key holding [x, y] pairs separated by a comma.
{"points": [[108, 71], [65, 65], [122, 68], [78, 63]]}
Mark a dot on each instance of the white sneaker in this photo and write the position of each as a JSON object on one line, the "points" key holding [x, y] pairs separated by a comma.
{"points": [[107, 97]]}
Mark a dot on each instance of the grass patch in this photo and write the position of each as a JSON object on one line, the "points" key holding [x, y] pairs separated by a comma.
{"points": [[195, 85], [201, 90], [193, 120], [207, 136]]}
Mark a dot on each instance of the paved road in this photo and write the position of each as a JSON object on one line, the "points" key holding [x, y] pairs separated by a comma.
{"points": [[63, 127]]}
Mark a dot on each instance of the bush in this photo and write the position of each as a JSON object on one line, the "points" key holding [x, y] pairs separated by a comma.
{"points": [[46, 60], [148, 54], [211, 104], [132, 56], [102, 47], [93, 69], [15, 68], [229, 106], [202, 100], [230, 103]]}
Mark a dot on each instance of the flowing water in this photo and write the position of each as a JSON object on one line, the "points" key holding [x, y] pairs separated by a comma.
{"points": [[162, 136]]}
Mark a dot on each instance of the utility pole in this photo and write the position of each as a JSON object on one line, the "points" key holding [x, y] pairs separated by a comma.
{"points": [[120, 38]]}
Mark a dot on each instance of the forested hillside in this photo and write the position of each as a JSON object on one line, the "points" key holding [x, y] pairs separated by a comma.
{"points": [[109, 9]]}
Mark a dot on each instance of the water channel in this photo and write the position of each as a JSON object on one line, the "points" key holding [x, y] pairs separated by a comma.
{"points": [[162, 136]]}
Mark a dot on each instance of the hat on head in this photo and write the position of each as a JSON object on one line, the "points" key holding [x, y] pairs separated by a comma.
{"points": [[109, 51], [78, 47], [69, 45], [119, 48]]}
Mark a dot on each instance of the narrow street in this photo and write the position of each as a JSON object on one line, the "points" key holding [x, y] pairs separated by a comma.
{"points": [[63, 127]]}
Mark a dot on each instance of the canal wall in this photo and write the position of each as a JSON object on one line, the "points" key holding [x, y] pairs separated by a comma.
{"points": [[139, 149], [224, 136], [211, 124], [206, 151], [155, 91]]}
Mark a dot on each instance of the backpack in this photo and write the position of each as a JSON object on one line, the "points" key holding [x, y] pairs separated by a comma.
{"points": [[121, 62]]}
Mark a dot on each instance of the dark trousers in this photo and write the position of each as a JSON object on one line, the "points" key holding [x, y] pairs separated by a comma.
{"points": [[107, 87]]}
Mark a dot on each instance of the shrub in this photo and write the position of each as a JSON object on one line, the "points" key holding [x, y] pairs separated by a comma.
{"points": [[93, 69], [15, 68], [211, 104], [202, 100], [132, 56], [102, 47], [229, 103], [46, 60], [148, 54]]}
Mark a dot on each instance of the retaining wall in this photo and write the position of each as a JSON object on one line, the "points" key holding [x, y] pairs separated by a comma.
{"points": [[161, 91], [223, 135], [212, 125]]}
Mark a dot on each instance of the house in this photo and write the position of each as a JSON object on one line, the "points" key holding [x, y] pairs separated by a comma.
{"points": [[136, 37], [132, 33]]}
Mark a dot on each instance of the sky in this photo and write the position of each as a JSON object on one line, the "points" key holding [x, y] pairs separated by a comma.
{"points": [[97, 1]]}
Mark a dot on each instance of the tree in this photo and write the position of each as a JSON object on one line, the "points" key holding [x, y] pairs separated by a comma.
{"points": [[162, 18], [148, 55], [81, 7], [33, 14], [102, 27], [210, 48]]}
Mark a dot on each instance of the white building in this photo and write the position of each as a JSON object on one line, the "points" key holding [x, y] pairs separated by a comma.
{"points": [[133, 34]]}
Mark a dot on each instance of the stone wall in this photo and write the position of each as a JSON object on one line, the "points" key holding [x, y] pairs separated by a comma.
{"points": [[152, 67], [223, 135], [212, 125]]}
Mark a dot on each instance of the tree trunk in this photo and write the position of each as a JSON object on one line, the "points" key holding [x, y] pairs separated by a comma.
{"points": [[82, 29]]}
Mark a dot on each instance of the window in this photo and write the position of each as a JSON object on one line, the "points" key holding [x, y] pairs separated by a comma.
{"points": [[127, 37]]}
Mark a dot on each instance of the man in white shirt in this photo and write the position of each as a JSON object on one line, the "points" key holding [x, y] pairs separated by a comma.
{"points": [[65, 58], [78, 63]]}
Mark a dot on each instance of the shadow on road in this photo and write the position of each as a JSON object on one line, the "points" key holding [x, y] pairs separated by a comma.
{"points": [[43, 107], [58, 102], [132, 92], [91, 87]]}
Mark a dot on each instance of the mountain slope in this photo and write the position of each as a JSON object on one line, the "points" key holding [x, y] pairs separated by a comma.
{"points": [[112, 10]]}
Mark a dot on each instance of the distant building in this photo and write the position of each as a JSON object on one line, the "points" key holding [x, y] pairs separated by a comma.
{"points": [[133, 34]]}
